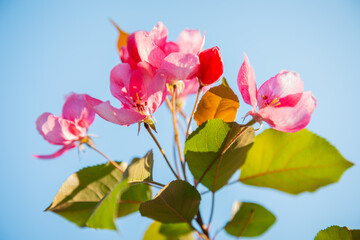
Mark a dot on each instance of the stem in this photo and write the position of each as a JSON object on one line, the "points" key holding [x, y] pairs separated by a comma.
{"points": [[193, 111], [168, 103], [250, 123], [90, 145], [212, 210], [147, 127], [154, 183], [176, 131], [228, 184], [202, 226], [174, 152]]}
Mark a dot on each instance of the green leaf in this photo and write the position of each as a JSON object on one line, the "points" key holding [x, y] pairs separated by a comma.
{"points": [[336, 233], [140, 169], [105, 212], [177, 202], [292, 162], [218, 102], [249, 220], [175, 229], [83, 192], [154, 232], [205, 145]]}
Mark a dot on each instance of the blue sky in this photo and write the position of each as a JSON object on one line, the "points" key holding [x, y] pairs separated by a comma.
{"points": [[51, 48]]}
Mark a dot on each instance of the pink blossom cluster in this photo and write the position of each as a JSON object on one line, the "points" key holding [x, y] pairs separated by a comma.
{"points": [[151, 65]]}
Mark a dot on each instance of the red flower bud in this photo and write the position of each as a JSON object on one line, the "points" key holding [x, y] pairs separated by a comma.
{"points": [[211, 66]]}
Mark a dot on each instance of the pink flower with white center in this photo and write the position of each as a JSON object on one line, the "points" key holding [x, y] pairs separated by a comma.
{"points": [[67, 129], [282, 102], [140, 91]]}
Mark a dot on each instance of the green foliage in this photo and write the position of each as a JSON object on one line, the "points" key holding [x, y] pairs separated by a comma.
{"points": [[204, 148], [177, 202], [155, 232], [140, 169], [249, 220], [95, 196], [336, 233], [292, 162], [218, 102]]}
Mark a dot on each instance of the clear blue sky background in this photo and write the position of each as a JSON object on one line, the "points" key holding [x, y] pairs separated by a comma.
{"points": [[51, 48]]}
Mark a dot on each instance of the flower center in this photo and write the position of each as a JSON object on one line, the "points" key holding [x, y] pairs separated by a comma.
{"points": [[141, 106], [275, 102]]}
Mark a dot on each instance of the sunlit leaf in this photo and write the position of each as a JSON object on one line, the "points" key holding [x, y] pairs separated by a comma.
{"points": [[177, 202], [336, 233], [292, 162], [122, 40], [218, 102], [205, 145], [154, 232], [249, 220], [140, 169], [175, 229], [86, 190], [105, 212]]}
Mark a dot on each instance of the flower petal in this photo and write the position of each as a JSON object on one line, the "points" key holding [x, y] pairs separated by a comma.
{"points": [[119, 82], [246, 83], [289, 119], [286, 86], [159, 35], [211, 66], [57, 130], [75, 109], [190, 41], [141, 47], [122, 116], [58, 153], [171, 47], [181, 66]]}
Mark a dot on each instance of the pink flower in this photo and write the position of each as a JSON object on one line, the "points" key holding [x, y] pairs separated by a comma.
{"points": [[282, 102], [140, 91], [69, 127]]}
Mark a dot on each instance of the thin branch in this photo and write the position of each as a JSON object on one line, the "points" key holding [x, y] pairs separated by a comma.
{"points": [[155, 183], [176, 131], [193, 111], [202, 226], [212, 210], [91, 145], [147, 127], [174, 152], [228, 184]]}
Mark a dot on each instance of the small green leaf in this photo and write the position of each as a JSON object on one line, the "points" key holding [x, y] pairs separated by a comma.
{"points": [[105, 212], [140, 169], [177, 202], [154, 232], [86, 190], [175, 229], [218, 102], [292, 162], [336, 233], [205, 145], [249, 220]]}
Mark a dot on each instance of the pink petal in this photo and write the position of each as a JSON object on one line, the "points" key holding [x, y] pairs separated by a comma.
{"points": [[58, 153], [140, 81], [119, 82], [289, 119], [75, 109], [156, 92], [57, 130], [122, 116], [125, 57], [171, 47], [141, 47], [181, 66], [286, 86], [246, 83], [190, 41], [159, 35]]}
